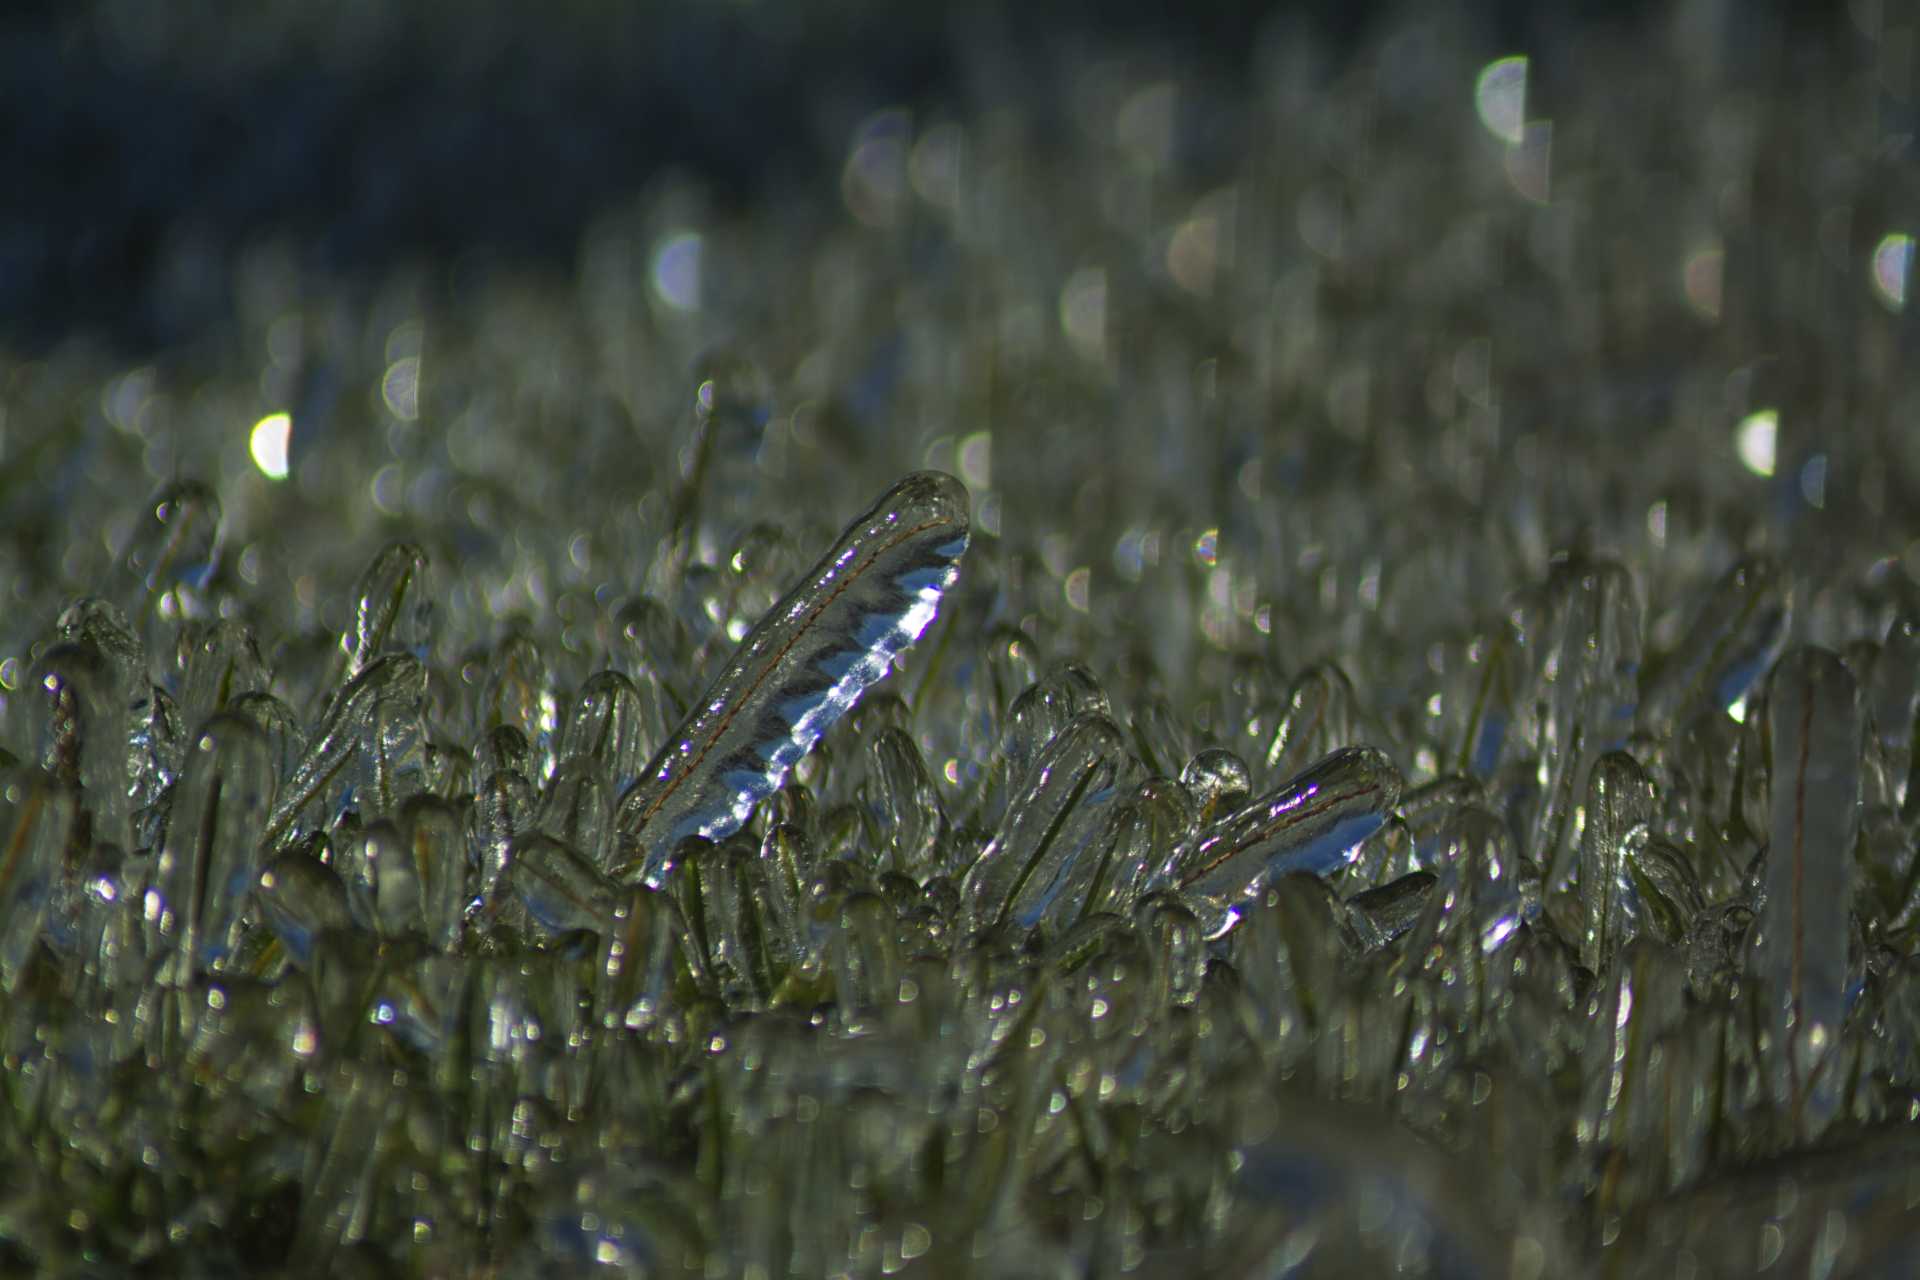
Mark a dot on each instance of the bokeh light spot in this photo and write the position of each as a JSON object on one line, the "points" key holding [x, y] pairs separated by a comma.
{"points": [[1193, 253], [1702, 278], [874, 182], [1500, 97], [400, 388], [1083, 312], [1813, 481], [676, 269], [975, 458], [1530, 162], [269, 443], [1754, 440], [1078, 588], [1892, 268]]}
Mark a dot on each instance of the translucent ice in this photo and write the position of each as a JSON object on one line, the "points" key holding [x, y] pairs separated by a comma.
{"points": [[1814, 734], [1049, 822], [799, 670], [207, 864], [1313, 823], [1738, 632], [1619, 800]]}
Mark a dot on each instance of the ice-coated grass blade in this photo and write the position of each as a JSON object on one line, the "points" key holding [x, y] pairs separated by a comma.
{"points": [[1815, 731], [1036, 841], [206, 866], [37, 817], [1584, 650], [1619, 799], [381, 601], [799, 670], [1311, 823], [1738, 633]]}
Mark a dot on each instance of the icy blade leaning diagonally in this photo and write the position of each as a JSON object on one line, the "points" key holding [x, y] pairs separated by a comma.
{"points": [[805, 664]]}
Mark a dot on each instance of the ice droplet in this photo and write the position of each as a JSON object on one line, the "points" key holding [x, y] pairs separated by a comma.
{"points": [[176, 548], [302, 899], [1045, 708], [361, 722], [1140, 834], [99, 624], [575, 808], [1215, 780], [1384, 913], [613, 724], [799, 670]]}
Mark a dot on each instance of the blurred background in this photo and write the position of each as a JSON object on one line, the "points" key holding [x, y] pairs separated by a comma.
{"points": [[144, 145], [1558, 254], [1618, 278]]}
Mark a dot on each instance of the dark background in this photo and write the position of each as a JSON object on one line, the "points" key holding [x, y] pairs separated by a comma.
{"points": [[141, 144]]}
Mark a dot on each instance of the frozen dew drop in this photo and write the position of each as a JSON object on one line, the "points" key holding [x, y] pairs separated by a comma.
{"points": [[1216, 779]]}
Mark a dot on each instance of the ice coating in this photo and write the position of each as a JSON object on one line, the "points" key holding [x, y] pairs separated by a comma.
{"points": [[1048, 823], [1586, 635], [38, 816], [206, 866], [1299, 410], [386, 594], [1739, 631], [1619, 800], [1814, 728], [799, 670], [1313, 823]]}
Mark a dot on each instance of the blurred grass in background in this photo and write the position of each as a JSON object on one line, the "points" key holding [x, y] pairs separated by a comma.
{"points": [[142, 143]]}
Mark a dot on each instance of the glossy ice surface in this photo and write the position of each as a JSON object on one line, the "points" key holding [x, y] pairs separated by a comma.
{"points": [[1147, 673], [800, 669]]}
